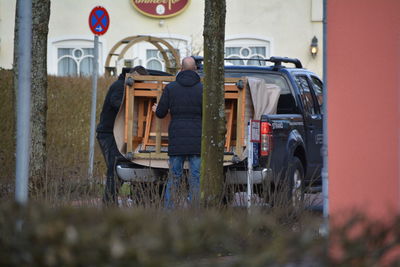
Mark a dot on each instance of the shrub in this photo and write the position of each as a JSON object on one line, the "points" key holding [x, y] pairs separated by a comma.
{"points": [[68, 128], [7, 117]]}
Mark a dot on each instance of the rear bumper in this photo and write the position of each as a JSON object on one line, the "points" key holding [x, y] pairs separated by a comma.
{"points": [[132, 174], [240, 177], [149, 175]]}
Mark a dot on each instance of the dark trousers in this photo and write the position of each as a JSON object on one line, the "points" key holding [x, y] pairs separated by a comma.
{"points": [[110, 153]]}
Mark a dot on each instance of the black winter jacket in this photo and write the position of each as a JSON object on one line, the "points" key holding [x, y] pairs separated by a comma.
{"points": [[111, 106], [183, 99]]}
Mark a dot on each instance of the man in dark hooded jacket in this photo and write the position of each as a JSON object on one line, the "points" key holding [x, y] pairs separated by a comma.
{"points": [[183, 100], [105, 128]]}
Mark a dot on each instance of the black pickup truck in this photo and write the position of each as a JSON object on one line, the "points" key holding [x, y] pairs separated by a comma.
{"points": [[291, 138]]}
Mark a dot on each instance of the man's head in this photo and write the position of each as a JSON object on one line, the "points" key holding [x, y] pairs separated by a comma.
{"points": [[139, 70], [188, 63]]}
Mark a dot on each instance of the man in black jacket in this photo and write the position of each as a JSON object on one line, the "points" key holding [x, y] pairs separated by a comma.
{"points": [[105, 135], [183, 100]]}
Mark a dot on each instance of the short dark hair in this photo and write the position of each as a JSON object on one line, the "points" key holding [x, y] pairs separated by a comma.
{"points": [[140, 70]]}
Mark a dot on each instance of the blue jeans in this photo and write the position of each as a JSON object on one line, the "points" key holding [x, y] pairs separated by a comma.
{"points": [[175, 178]]}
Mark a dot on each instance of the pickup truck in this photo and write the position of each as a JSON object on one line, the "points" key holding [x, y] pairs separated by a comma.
{"points": [[289, 151]]}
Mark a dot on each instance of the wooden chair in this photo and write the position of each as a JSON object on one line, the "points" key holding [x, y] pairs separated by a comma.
{"points": [[229, 113]]}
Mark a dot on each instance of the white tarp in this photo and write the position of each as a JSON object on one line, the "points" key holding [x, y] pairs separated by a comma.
{"points": [[264, 97]]}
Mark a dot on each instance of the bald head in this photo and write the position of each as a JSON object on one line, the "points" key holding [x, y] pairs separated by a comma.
{"points": [[188, 63]]}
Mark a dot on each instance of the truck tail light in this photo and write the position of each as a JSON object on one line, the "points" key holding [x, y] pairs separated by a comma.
{"points": [[266, 138]]}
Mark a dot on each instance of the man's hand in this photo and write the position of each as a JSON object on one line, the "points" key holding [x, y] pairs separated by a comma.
{"points": [[154, 107]]}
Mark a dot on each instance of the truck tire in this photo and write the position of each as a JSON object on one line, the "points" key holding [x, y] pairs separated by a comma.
{"points": [[296, 182]]}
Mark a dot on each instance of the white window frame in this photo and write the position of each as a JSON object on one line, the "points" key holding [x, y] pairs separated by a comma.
{"points": [[247, 41], [73, 41]]}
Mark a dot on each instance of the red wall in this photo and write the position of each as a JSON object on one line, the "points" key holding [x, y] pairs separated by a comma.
{"points": [[363, 72]]}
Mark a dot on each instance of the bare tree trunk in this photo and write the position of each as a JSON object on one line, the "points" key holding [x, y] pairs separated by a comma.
{"points": [[214, 129], [40, 29], [15, 72]]}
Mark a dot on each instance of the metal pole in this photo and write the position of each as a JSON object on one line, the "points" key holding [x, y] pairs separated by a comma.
{"points": [[94, 97], [249, 168], [23, 100], [325, 123]]}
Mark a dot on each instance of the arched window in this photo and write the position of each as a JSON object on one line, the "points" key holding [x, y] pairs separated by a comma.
{"points": [[74, 62], [155, 60], [73, 57], [248, 49]]}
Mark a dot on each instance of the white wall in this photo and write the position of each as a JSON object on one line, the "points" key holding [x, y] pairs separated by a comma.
{"points": [[288, 25], [7, 19]]}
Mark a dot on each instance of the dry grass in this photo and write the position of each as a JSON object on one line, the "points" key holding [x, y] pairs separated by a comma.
{"points": [[68, 128], [7, 142]]}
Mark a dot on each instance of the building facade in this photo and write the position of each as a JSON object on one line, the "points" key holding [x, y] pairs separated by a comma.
{"points": [[254, 29], [363, 102]]}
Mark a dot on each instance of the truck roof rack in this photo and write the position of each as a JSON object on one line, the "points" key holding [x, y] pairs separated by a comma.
{"points": [[276, 60]]}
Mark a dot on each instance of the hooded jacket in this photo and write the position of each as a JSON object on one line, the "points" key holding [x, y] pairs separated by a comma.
{"points": [[183, 99], [111, 106]]}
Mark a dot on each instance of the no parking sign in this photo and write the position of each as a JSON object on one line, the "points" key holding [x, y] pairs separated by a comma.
{"points": [[99, 20]]}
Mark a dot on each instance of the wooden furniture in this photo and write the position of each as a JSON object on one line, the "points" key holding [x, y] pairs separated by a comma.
{"points": [[145, 133]]}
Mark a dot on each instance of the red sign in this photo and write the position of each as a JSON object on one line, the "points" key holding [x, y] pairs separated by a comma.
{"points": [[160, 8], [99, 20]]}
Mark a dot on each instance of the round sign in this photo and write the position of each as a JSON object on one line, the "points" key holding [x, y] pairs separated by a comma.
{"points": [[160, 8], [99, 20]]}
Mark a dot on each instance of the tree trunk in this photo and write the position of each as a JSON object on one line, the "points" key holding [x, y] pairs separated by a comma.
{"points": [[40, 29], [214, 129], [15, 74]]}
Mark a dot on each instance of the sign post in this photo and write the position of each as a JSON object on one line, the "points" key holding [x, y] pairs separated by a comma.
{"points": [[254, 137], [23, 102], [99, 21], [249, 167]]}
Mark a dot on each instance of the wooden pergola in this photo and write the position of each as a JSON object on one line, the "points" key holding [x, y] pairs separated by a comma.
{"points": [[172, 64]]}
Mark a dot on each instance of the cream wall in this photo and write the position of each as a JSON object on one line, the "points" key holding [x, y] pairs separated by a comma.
{"points": [[286, 24], [7, 17]]}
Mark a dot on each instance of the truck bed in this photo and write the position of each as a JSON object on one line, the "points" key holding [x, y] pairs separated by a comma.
{"points": [[143, 138]]}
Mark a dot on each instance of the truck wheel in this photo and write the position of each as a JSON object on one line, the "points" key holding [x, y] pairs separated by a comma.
{"points": [[296, 182]]}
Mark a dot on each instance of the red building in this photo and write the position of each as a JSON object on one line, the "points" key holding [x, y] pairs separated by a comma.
{"points": [[363, 79]]}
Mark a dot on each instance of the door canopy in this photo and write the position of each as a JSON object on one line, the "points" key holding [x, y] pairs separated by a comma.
{"points": [[172, 64]]}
